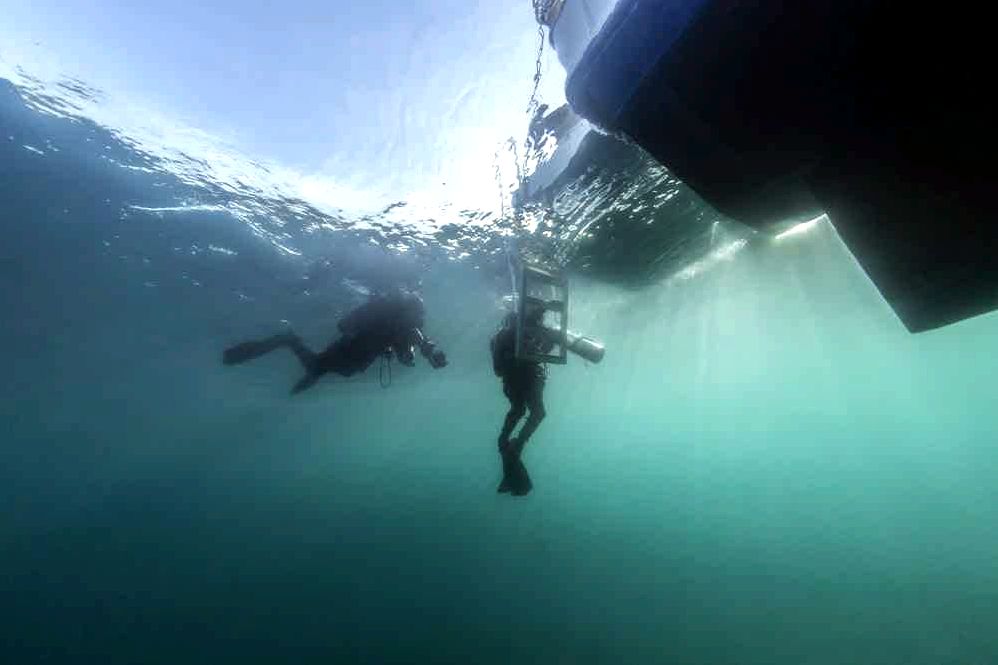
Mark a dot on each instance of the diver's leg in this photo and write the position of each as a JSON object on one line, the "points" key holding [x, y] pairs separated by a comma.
{"points": [[306, 356], [535, 402], [247, 351], [315, 364], [516, 480], [517, 409], [513, 416], [348, 356]]}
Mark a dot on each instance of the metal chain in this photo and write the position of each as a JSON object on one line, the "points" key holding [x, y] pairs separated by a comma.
{"points": [[546, 11], [520, 177], [542, 11], [532, 104]]}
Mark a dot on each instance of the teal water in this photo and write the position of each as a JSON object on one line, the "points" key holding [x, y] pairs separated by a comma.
{"points": [[765, 469]]}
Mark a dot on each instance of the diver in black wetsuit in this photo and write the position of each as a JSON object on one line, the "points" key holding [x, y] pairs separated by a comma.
{"points": [[385, 324], [523, 384]]}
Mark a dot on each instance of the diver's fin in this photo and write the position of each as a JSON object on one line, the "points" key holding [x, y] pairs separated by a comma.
{"points": [[515, 479], [505, 486], [305, 383], [520, 479], [246, 351]]}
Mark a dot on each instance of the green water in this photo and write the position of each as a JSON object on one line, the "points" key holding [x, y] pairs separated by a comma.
{"points": [[765, 469]]}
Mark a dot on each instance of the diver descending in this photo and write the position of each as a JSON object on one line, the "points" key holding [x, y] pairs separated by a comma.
{"points": [[384, 325], [520, 350], [523, 384]]}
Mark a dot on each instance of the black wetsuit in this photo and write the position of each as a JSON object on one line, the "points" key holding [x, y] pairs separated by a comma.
{"points": [[384, 324], [380, 324], [523, 384]]}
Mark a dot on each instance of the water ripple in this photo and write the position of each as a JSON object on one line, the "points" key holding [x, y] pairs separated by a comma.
{"points": [[614, 213]]}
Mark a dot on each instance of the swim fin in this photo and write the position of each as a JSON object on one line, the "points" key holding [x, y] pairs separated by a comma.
{"points": [[246, 351], [305, 383], [521, 485], [515, 479]]}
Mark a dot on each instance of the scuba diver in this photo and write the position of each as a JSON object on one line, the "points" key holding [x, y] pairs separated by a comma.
{"points": [[384, 325], [523, 384], [521, 349]]}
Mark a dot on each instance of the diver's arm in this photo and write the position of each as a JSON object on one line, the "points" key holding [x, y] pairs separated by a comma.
{"points": [[542, 339]]}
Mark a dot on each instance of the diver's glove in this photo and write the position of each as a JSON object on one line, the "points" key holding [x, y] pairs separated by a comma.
{"points": [[433, 355], [405, 356], [438, 359]]}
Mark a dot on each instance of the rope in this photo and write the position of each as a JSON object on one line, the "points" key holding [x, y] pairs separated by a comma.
{"points": [[512, 275], [386, 363]]}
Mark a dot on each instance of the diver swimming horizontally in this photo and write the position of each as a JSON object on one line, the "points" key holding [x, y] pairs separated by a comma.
{"points": [[385, 324]]}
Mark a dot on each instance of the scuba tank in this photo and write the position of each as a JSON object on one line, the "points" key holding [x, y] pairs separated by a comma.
{"points": [[586, 348]]}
